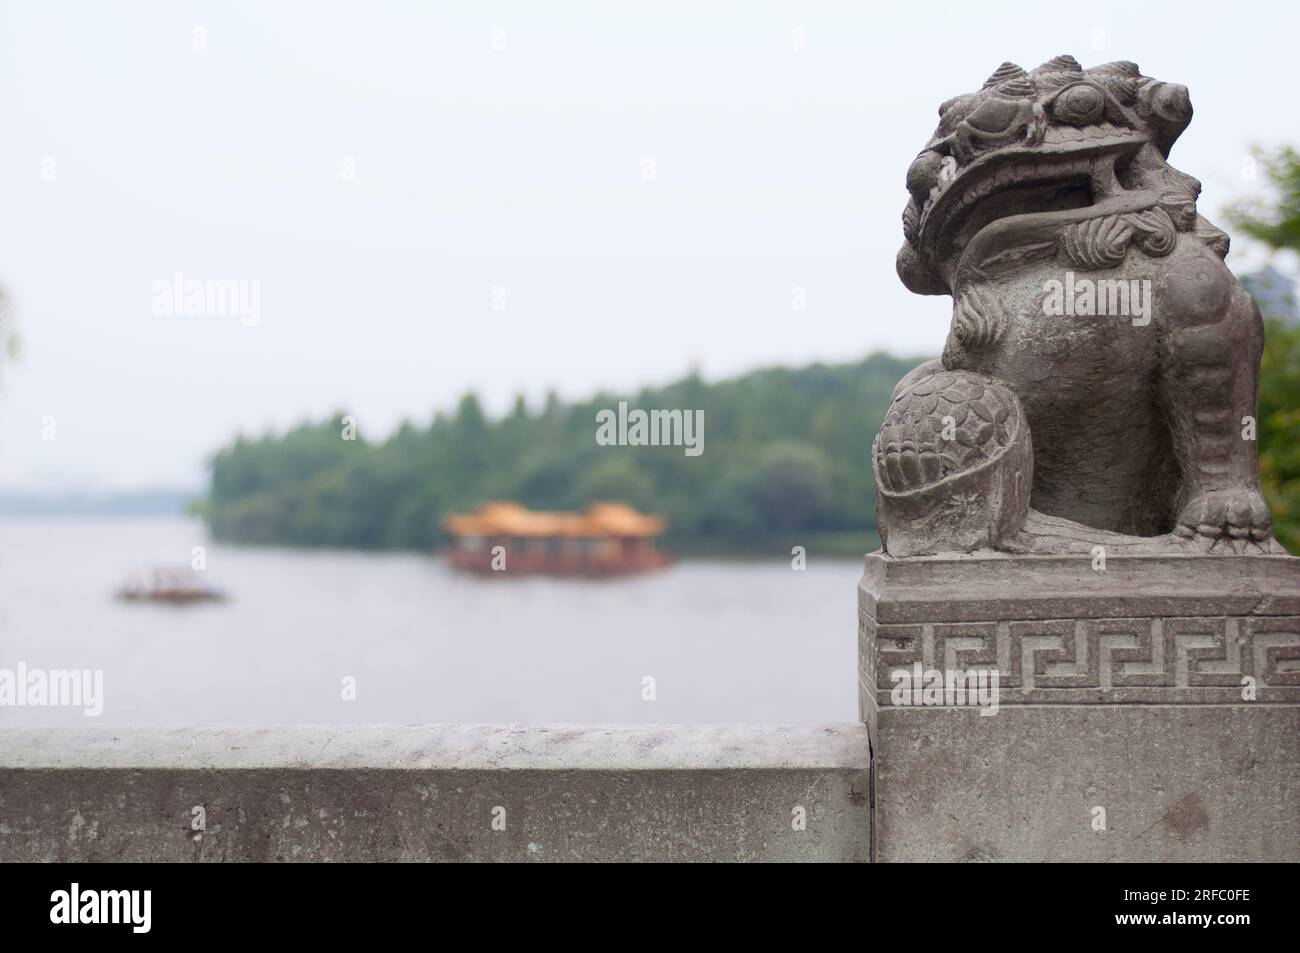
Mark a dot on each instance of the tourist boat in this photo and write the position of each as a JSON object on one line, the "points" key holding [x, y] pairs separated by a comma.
{"points": [[171, 585], [606, 539]]}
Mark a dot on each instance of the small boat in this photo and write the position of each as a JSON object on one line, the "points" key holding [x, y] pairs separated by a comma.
{"points": [[171, 585]]}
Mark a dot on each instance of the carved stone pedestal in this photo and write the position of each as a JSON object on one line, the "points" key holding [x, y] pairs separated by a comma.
{"points": [[1147, 712]]}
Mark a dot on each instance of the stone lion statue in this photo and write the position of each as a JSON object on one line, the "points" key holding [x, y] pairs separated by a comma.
{"points": [[1098, 385]]}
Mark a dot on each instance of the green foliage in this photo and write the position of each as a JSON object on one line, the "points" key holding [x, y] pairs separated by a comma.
{"points": [[792, 489], [785, 451], [1279, 422], [1275, 220]]}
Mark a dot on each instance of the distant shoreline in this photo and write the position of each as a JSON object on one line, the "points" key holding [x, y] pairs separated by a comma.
{"points": [[140, 503]]}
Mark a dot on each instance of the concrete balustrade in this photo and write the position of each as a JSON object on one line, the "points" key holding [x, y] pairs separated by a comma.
{"points": [[436, 793]]}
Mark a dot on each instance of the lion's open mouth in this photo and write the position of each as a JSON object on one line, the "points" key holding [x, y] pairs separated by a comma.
{"points": [[1060, 176]]}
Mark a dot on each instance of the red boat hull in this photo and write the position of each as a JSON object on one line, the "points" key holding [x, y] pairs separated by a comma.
{"points": [[553, 564]]}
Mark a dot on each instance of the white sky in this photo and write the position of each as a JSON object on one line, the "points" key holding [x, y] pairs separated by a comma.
{"points": [[518, 168]]}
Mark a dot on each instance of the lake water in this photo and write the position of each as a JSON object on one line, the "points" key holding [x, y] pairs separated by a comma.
{"points": [[723, 641]]}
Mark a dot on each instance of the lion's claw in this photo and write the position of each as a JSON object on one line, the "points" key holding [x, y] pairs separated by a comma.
{"points": [[1228, 521]]}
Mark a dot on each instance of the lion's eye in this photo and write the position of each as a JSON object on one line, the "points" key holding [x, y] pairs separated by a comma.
{"points": [[995, 116], [1079, 105]]}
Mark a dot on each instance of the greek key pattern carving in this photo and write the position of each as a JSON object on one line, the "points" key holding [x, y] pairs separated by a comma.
{"points": [[1200, 660]]}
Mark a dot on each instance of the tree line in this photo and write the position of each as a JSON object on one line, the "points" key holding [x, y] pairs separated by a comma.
{"points": [[787, 452]]}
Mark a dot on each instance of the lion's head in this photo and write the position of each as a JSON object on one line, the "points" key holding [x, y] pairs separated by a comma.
{"points": [[1056, 140]]}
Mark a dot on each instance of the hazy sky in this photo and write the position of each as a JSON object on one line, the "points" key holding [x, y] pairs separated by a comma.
{"points": [[380, 168]]}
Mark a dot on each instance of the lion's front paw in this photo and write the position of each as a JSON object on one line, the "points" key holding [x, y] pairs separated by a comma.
{"points": [[1234, 521]]}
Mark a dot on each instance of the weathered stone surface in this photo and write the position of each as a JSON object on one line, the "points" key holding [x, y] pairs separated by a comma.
{"points": [[994, 587], [1164, 691], [377, 792], [1177, 783]]}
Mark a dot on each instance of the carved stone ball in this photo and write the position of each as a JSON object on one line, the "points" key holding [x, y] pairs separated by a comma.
{"points": [[943, 425], [953, 464]]}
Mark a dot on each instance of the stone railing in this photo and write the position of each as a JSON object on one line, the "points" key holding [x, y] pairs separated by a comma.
{"points": [[441, 792]]}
